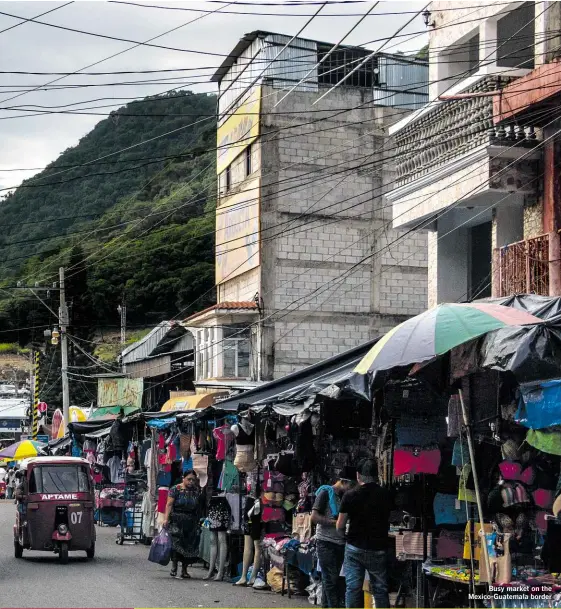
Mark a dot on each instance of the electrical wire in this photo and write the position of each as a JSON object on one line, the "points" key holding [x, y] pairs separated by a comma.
{"points": [[112, 56]]}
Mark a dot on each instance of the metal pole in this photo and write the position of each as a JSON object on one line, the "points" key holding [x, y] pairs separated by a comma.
{"points": [[35, 405], [484, 548], [63, 321], [124, 324]]}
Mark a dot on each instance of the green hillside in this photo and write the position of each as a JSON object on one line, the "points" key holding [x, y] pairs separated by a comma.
{"points": [[137, 224]]}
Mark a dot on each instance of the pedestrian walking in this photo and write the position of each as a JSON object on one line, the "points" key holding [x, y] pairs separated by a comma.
{"points": [[366, 511], [10, 482], [330, 544], [184, 510]]}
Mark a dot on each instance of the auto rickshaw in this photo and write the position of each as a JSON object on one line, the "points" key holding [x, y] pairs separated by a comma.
{"points": [[55, 507]]}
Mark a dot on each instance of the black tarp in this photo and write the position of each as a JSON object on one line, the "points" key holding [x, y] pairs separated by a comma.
{"points": [[302, 385], [544, 307]]}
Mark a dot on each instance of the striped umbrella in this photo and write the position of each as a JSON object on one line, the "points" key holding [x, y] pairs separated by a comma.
{"points": [[436, 332], [22, 450]]}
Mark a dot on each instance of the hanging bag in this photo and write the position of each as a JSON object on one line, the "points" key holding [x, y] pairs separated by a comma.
{"points": [[160, 549]]}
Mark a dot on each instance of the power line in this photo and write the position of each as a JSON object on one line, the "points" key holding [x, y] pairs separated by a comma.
{"points": [[284, 14], [91, 65]]}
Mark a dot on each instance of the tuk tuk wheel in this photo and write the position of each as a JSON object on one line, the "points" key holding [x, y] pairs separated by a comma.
{"points": [[18, 549], [91, 552], [63, 554]]}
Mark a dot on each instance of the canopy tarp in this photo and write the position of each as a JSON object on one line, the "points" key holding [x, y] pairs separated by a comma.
{"points": [[301, 385], [111, 412], [90, 426], [188, 402]]}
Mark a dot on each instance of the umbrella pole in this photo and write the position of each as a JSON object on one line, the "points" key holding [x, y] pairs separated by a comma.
{"points": [[484, 548]]}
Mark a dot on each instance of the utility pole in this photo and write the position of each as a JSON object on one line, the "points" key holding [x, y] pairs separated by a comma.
{"points": [[63, 321], [122, 310]]}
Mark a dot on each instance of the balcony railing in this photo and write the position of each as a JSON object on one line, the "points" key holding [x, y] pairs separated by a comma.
{"points": [[453, 128], [522, 267]]}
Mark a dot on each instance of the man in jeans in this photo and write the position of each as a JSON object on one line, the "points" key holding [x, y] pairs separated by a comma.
{"points": [[330, 545], [366, 509]]}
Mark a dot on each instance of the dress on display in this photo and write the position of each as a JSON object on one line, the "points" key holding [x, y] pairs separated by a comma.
{"points": [[219, 514]]}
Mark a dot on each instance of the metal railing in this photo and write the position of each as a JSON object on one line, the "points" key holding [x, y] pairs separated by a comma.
{"points": [[522, 267]]}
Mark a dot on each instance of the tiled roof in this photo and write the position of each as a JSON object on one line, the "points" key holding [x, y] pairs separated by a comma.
{"points": [[226, 306]]}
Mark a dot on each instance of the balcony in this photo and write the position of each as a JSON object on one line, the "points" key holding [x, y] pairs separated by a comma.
{"points": [[451, 152], [522, 267]]}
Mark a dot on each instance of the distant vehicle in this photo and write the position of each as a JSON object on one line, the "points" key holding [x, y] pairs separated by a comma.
{"points": [[8, 391]]}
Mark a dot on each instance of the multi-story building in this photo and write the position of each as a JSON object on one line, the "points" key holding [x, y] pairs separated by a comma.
{"points": [[307, 263], [468, 171]]}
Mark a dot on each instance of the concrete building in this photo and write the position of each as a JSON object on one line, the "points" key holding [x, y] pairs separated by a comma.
{"points": [[469, 179], [307, 263]]}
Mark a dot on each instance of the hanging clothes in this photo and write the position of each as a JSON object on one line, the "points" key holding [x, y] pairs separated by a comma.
{"points": [[226, 446], [412, 462], [229, 477], [488, 528], [447, 512], [547, 440], [460, 453], [464, 493]]}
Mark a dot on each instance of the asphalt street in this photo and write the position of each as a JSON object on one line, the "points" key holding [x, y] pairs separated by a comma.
{"points": [[119, 576]]}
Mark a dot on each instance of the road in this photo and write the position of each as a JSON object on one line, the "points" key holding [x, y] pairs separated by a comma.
{"points": [[120, 576]]}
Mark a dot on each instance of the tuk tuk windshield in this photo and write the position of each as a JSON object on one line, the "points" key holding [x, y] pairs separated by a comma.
{"points": [[59, 479]]}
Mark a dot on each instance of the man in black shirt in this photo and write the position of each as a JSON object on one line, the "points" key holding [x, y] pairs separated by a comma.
{"points": [[366, 510]]}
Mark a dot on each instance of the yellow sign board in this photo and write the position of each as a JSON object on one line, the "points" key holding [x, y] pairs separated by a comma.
{"points": [[237, 233], [238, 131]]}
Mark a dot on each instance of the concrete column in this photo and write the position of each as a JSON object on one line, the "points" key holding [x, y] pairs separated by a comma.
{"points": [[453, 267], [488, 42], [552, 209]]}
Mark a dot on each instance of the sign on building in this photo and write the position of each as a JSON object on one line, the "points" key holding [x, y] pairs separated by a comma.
{"points": [[237, 233], [239, 130], [119, 392]]}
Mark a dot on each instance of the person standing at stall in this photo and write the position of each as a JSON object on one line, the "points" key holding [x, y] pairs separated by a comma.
{"points": [[330, 545], [184, 510], [366, 510]]}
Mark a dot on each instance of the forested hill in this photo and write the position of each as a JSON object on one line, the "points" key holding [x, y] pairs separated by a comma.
{"points": [[138, 223]]}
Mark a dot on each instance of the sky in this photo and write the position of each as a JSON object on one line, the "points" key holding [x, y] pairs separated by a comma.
{"points": [[29, 142]]}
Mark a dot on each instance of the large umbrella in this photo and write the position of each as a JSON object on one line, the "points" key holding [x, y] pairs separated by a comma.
{"points": [[22, 450], [436, 332]]}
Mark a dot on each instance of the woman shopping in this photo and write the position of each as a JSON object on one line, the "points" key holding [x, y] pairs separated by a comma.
{"points": [[184, 509]]}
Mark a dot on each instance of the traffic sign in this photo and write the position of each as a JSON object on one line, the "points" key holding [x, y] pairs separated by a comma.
{"points": [[42, 407]]}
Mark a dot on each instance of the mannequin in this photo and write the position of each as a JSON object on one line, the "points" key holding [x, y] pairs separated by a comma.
{"points": [[220, 518], [252, 554], [218, 550], [252, 550]]}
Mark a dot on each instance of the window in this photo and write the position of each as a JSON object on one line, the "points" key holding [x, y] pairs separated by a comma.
{"points": [[228, 178], [236, 357], [248, 163], [236, 352], [515, 37], [59, 479], [343, 61], [473, 54]]}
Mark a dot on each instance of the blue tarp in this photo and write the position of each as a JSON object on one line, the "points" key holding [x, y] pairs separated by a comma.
{"points": [[540, 404], [161, 423]]}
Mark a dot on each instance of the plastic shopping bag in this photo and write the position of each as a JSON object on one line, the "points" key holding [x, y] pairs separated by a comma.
{"points": [[160, 550]]}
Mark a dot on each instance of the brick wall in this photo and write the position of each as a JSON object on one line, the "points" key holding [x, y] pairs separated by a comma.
{"points": [[336, 274], [242, 287]]}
